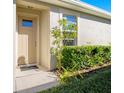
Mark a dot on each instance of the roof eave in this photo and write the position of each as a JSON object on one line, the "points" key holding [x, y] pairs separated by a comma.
{"points": [[78, 6], [89, 9]]}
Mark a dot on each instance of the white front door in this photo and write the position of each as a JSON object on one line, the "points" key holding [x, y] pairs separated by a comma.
{"points": [[27, 40]]}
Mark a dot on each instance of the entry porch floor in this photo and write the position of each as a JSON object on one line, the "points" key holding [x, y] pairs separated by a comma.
{"points": [[34, 80]]}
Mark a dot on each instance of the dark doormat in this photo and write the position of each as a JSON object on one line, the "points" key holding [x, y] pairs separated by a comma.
{"points": [[25, 68]]}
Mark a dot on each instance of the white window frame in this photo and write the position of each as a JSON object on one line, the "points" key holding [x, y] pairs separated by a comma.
{"points": [[75, 39]]}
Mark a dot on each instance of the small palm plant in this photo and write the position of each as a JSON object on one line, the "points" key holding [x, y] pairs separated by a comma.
{"points": [[60, 33]]}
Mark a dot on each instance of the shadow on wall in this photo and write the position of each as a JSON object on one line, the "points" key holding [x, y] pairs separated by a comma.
{"points": [[53, 62], [21, 60], [84, 15], [95, 18]]}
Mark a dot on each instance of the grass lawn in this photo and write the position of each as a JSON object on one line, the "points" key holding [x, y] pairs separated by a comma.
{"points": [[94, 82]]}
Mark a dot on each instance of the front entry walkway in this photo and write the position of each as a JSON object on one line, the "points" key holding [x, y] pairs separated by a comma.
{"points": [[34, 80]]}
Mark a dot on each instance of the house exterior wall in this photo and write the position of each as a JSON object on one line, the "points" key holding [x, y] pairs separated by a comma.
{"points": [[54, 17], [42, 35], [14, 45], [92, 30], [45, 39]]}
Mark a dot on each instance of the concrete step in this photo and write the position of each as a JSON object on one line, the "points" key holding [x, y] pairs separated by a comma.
{"points": [[37, 81]]}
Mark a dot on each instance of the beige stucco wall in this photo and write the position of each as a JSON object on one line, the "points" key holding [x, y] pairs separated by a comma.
{"points": [[54, 17], [47, 20], [92, 30], [43, 19], [29, 13], [14, 47], [45, 39]]}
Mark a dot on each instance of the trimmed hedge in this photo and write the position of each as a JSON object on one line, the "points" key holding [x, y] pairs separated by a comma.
{"points": [[80, 57]]}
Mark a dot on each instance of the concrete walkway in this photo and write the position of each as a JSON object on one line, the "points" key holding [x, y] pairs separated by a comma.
{"points": [[35, 80]]}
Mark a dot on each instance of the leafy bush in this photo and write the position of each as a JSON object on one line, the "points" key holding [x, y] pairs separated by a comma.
{"points": [[80, 57]]}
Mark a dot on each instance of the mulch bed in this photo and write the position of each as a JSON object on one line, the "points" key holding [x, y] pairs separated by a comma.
{"points": [[88, 70]]}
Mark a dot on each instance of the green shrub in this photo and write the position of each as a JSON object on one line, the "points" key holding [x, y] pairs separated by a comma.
{"points": [[80, 57]]}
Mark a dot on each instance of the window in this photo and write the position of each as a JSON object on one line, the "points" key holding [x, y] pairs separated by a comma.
{"points": [[27, 23], [70, 20]]}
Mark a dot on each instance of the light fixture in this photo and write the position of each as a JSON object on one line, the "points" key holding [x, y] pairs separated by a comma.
{"points": [[30, 7]]}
